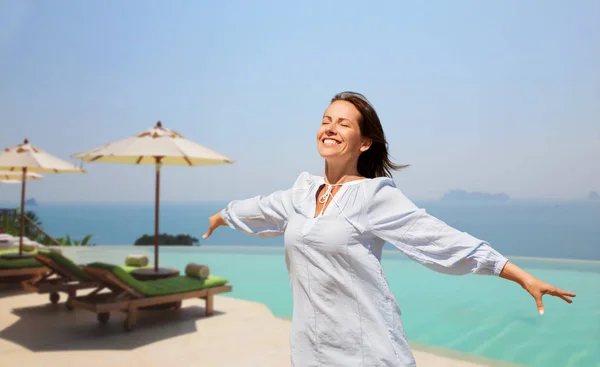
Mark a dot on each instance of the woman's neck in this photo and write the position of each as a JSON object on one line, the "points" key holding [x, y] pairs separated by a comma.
{"points": [[340, 173]]}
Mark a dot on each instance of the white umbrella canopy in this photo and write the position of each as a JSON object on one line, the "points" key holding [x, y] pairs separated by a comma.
{"points": [[29, 158], [17, 176], [158, 146], [26, 158], [157, 143]]}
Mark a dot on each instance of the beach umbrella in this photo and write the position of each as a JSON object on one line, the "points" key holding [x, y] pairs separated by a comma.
{"points": [[156, 146], [17, 176], [29, 159]]}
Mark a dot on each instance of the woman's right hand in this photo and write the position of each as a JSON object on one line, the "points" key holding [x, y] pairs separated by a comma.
{"points": [[214, 221]]}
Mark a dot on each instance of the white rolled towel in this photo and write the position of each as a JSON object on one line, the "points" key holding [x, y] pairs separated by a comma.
{"points": [[197, 271], [5, 237], [17, 240], [136, 260]]}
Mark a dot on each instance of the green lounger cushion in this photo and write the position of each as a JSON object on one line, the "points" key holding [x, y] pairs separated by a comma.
{"points": [[74, 268], [66, 263], [15, 250], [161, 287], [27, 263], [129, 268]]}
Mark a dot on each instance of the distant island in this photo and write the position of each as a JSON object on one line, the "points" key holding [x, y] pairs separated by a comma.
{"points": [[462, 195], [594, 196], [167, 240], [31, 202]]}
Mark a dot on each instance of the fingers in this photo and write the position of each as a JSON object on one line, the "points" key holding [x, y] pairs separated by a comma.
{"points": [[539, 304], [210, 230], [562, 294], [214, 222], [565, 293], [539, 289], [568, 300]]}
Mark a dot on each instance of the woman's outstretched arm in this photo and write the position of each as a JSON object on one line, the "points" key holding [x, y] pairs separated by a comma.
{"points": [[433, 243], [262, 216]]}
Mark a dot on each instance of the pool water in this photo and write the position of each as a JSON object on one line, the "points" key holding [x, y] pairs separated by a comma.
{"points": [[479, 315]]}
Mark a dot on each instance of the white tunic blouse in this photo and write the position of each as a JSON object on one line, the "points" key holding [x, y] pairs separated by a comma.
{"points": [[344, 312]]}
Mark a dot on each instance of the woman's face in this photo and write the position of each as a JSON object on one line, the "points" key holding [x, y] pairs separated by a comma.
{"points": [[339, 135]]}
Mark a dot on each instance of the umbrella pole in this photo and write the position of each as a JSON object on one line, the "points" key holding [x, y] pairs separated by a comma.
{"points": [[156, 213], [23, 184]]}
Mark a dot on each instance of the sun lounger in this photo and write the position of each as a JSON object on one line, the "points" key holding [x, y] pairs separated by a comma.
{"points": [[18, 268], [65, 276], [130, 295]]}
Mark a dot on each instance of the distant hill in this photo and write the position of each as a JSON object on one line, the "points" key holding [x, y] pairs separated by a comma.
{"points": [[461, 195], [31, 202], [594, 196], [167, 240]]}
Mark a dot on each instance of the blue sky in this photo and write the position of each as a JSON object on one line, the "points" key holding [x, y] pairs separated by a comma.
{"points": [[495, 96]]}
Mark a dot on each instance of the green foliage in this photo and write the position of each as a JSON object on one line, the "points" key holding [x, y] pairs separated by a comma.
{"points": [[31, 231], [12, 225], [167, 240], [10, 222], [68, 241]]}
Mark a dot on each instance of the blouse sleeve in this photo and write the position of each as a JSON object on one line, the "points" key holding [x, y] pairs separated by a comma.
{"points": [[428, 240], [261, 216]]}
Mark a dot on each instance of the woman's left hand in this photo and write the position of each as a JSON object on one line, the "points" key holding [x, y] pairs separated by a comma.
{"points": [[537, 288]]}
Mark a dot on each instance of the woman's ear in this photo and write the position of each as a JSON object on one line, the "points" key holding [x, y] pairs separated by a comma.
{"points": [[366, 144]]}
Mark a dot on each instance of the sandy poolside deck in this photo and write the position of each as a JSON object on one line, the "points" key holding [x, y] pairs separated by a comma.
{"points": [[240, 333]]}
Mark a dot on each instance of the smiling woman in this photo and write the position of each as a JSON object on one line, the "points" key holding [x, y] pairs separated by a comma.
{"points": [[344, 313]]}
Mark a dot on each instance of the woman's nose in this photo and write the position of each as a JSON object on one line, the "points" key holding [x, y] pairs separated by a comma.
{"points": [[331, 129]]}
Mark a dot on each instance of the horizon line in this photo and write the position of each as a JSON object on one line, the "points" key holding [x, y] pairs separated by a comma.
{"points": [[191, 201]]}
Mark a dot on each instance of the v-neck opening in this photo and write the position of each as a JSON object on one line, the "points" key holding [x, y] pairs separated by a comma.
{"points": [[325, 207], [321, 184]]}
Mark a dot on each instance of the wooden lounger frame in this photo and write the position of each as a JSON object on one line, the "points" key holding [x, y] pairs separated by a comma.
{"points": [[125, 299], [59, 279], [36, 273]]}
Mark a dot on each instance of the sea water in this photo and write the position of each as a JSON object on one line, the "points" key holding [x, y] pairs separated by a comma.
{"points": [[534, 229]]}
